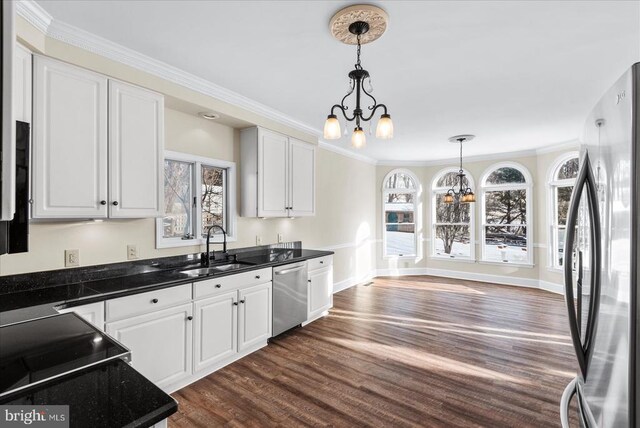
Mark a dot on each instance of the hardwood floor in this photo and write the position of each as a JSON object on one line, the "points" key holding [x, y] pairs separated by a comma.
{"points": [[412, 351]]}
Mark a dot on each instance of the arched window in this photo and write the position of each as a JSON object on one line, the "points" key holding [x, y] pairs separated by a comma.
{"points": [[506, 214], [452, 231], [400, 192], [562, 177]]}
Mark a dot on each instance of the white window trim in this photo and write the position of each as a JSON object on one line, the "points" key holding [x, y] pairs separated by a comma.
{"points": [[231, 214], [417, 212], [552, 185], [472, 223], [528, 187]]}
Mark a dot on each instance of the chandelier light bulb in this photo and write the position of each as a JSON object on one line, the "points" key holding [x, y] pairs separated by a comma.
{"points": [[332, 128], [358, 138], [384, 130]]}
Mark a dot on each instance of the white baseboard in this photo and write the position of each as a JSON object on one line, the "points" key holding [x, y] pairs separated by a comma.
{"points": [[350, 282], [446, 273]]}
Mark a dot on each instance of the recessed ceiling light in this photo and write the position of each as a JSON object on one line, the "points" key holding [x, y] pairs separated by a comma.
{"points": [[209, 115]]}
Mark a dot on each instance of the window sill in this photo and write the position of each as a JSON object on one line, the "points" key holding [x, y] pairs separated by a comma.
{"points": [[555, 269], [519, 265], [166, 243], [453, 259], [411, 256]]}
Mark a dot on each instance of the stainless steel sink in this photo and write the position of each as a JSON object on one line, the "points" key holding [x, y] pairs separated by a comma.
{"points": [[214, 269]]}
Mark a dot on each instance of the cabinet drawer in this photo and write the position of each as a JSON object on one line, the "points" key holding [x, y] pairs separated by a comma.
{"points": [[320, 262], [137, 304], [214, 286]]}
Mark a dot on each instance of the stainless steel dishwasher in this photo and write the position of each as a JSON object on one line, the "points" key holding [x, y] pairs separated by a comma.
{"points": [[289, 296]]}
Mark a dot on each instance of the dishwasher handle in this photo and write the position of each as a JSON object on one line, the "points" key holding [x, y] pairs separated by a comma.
{"points": [[286, 271]]}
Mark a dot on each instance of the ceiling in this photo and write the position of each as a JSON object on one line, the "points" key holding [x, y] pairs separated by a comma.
{"points": [[520, 75]]}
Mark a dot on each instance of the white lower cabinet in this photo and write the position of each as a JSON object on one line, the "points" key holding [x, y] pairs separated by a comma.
{"points": [[320, 291], [215, 330], [254, 317], [161, 343], [93, 312]]}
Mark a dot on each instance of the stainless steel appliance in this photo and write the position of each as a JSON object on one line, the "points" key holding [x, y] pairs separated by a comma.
{"points": [[602, 262], [289, 296]]}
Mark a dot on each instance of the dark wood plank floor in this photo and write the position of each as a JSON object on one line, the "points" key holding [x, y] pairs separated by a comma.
{"points": [[413, 351]]}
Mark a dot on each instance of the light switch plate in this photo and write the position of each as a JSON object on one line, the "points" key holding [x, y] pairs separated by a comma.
{"points": [[71, 258], [258, 240], [279, 238]]}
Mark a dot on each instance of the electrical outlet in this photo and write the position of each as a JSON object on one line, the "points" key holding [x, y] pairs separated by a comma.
{"points": [[258, 240], [132, 252], [279, 238], [71, 258]]}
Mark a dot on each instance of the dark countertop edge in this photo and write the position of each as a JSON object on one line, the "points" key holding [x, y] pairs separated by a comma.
{"points": [[25, 313], [156, 416]]}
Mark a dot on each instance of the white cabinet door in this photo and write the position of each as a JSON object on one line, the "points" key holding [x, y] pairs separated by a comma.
{"points": [[215, 329], [302, 173], [160, 343], [254, 315], [69, 141], [272, 174], [136, 151], [320, 292], [22, 84], [93, 312]]}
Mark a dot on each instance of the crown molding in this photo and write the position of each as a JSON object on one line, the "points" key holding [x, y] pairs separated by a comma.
{"points": [[557, 147], [456, 160], [346, 152], [69, 34]]}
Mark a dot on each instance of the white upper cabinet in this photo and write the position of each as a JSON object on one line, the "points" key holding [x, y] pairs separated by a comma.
{"points": [[69, 141], [97, 145], [22, 84], [136, 151], [302, 166], [278, 175]]}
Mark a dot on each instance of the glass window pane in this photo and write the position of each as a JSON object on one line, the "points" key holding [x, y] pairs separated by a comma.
{"points": [[178, 199], [453, 241], [213, 198], [506, 244], [506, 207], [505, 175], [451, 213], [569, 169], [450, 179], [563, 197], [400, 180], [399, 208], [560, 234], [401, 239]]}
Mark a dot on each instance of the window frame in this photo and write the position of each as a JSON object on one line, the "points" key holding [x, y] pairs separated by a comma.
{"points": [[528, 187], [417, 191], [229, 197], [472, 216], [552, 202]]}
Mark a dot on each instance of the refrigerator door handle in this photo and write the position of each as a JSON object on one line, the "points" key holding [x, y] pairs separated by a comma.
{"points": [[585, 180], [568, 393]]}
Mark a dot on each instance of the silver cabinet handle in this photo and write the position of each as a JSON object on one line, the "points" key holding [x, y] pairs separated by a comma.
{"points": [[286, 271], [564, 403]]}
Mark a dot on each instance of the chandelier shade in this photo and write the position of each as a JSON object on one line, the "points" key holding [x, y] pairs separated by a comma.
{"points": [[332, 128]]}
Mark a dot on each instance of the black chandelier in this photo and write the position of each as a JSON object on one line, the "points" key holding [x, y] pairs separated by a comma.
{"points": [[357, 77], [463, 194]]}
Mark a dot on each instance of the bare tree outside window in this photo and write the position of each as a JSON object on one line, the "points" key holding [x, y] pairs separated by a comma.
{"points": [[452, 221], [212, 198], [561, 187], [178, 199], [399, 201]]}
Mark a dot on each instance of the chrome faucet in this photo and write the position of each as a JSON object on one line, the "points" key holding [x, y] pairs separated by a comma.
{"points": [[205, 257]]}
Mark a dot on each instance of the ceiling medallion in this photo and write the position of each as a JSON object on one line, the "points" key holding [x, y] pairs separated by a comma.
{"points": [[376, 18], [357, 25], [463, 194]]}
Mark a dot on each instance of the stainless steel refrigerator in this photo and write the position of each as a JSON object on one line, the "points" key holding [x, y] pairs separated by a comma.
{"points": [[601, 262]]}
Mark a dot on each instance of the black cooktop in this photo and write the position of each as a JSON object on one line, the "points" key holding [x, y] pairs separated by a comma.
{"points": [[43, 349]]}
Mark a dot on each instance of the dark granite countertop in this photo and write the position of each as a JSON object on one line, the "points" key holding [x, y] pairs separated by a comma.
{"points": [[29, 296], [110, 394]]}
